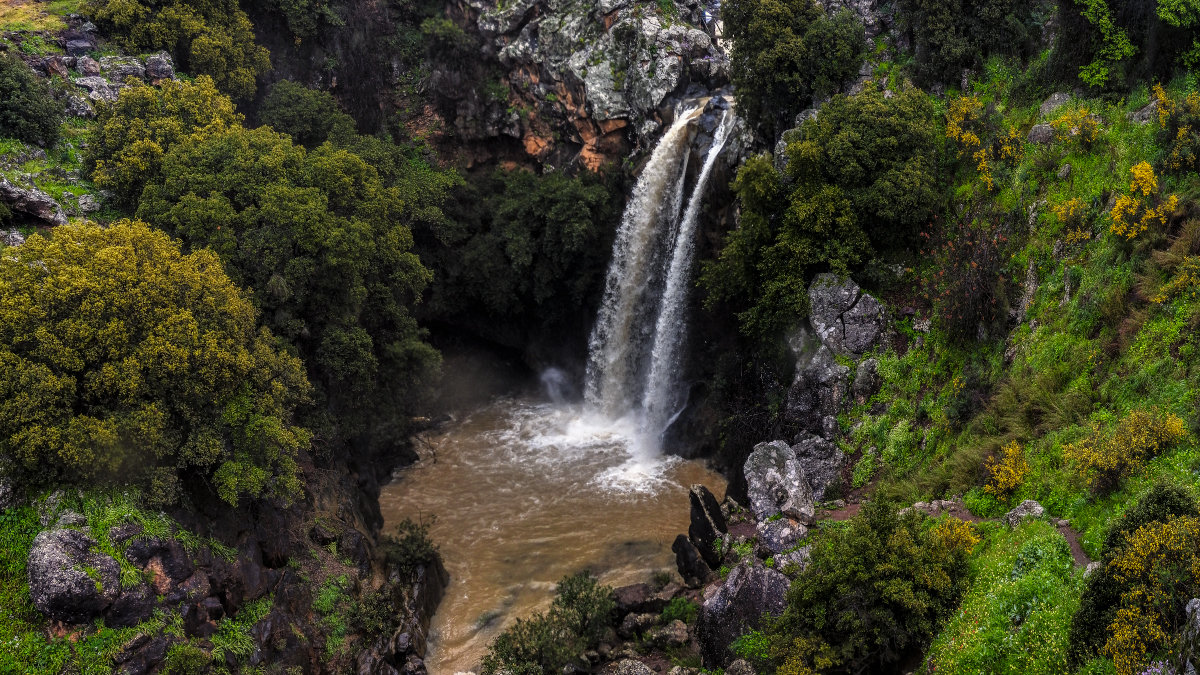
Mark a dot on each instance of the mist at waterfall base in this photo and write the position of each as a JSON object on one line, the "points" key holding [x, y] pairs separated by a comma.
{"points": [[528, 489]]}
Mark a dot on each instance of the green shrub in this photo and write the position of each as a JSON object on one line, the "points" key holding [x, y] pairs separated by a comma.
{"points": [[205, 37], [949, 36], [309, 116], [544, 643], [787, 53], [874, 592], [28, 110], [410, 548], [374, 613], [186, 658], [680, 609]]}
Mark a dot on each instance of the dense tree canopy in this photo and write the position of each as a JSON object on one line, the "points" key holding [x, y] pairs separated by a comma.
{"points": [[206, 37], [522, 251], [324, 246], [133, 133], [956, 34], [309, 116], [123, 359], [786, 53], [28, 110], [860, 176]]}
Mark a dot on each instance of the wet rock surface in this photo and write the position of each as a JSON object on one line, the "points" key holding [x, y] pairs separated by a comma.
{"points": [[736, 606], [67, 580], [847, 320], [776, 483]]}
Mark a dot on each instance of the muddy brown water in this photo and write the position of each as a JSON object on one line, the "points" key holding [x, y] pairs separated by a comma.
{"points": [[526, 492]]}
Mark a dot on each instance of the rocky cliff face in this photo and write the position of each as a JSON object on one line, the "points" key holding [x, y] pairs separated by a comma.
{"points": [[585, 80]]}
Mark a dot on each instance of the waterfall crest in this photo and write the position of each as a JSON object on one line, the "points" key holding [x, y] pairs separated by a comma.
{"points": [[635, 349]]}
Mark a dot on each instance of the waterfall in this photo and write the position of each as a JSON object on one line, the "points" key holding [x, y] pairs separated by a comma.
{"points": [[614, 354], [635, 349], [660, 402]]}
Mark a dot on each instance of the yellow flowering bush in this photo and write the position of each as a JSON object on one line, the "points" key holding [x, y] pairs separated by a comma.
{"points": [[1006, 473], [1179, 122], [1134, 213], [1187, 277], [1106, 458], [1159, 568], [954, 534], [1077, 126], [979, 136]]}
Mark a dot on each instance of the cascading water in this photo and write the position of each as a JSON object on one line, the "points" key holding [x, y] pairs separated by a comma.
{"points": [[660, 402], [635, 350]]}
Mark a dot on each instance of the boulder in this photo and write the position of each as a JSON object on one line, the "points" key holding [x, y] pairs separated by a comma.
{"points": [[847, 320], [88, 204], [67, 580], [78, 106], [32, 202], [793, 562], [627, 667], [689, 562], [740, 667], [131, 607], [631, 598], [1146, 113], [87, 65], [1056, 100], [636, 624], [11, 238], [672, 635], [160, 67], [80, 46], [818, 389], [821, 460], [775, 483], [737, 606], [866, 377], [779, 535], [707, 523], [120, 68], [1042, 134], [99, 89], [1026, 509]]}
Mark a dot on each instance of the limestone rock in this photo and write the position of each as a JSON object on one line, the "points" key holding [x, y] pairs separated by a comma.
{"points": [[866, 377], [740, 667], [736, 606], [1042, 134], [636, 624], [674, 634], [79, 106], [1056, 100], [775, 483], [815, 397], [821, 460], [1026, 509], [793, 562], [707, 523], [12, 238], [1146, 113], [779, 535], [627, 667], [32, 202], [120, 68], [88, 204], [160, 67], [99, 89], [87, 65], [847, 320], [67, 581], [689, 562]]}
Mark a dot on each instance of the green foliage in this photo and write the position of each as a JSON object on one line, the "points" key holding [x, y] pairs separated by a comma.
{"points": [[680, 609], [233, 633], [309, 116], [410, 549], [522, 252], [205, 37], [133, 134], [787, 53], [125, 360], [950, 36], [374, 613], [185, 658], [873, 592], [326, 246], [306, 17], [28, 110], [579, 615], [862, 174], [1016, 615]]}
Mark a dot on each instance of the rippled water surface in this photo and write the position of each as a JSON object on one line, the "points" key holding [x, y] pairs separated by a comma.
{"points": [[525, 493]]}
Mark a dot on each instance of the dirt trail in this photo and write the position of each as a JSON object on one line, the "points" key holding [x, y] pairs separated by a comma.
{"points": [[959, 511]]}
